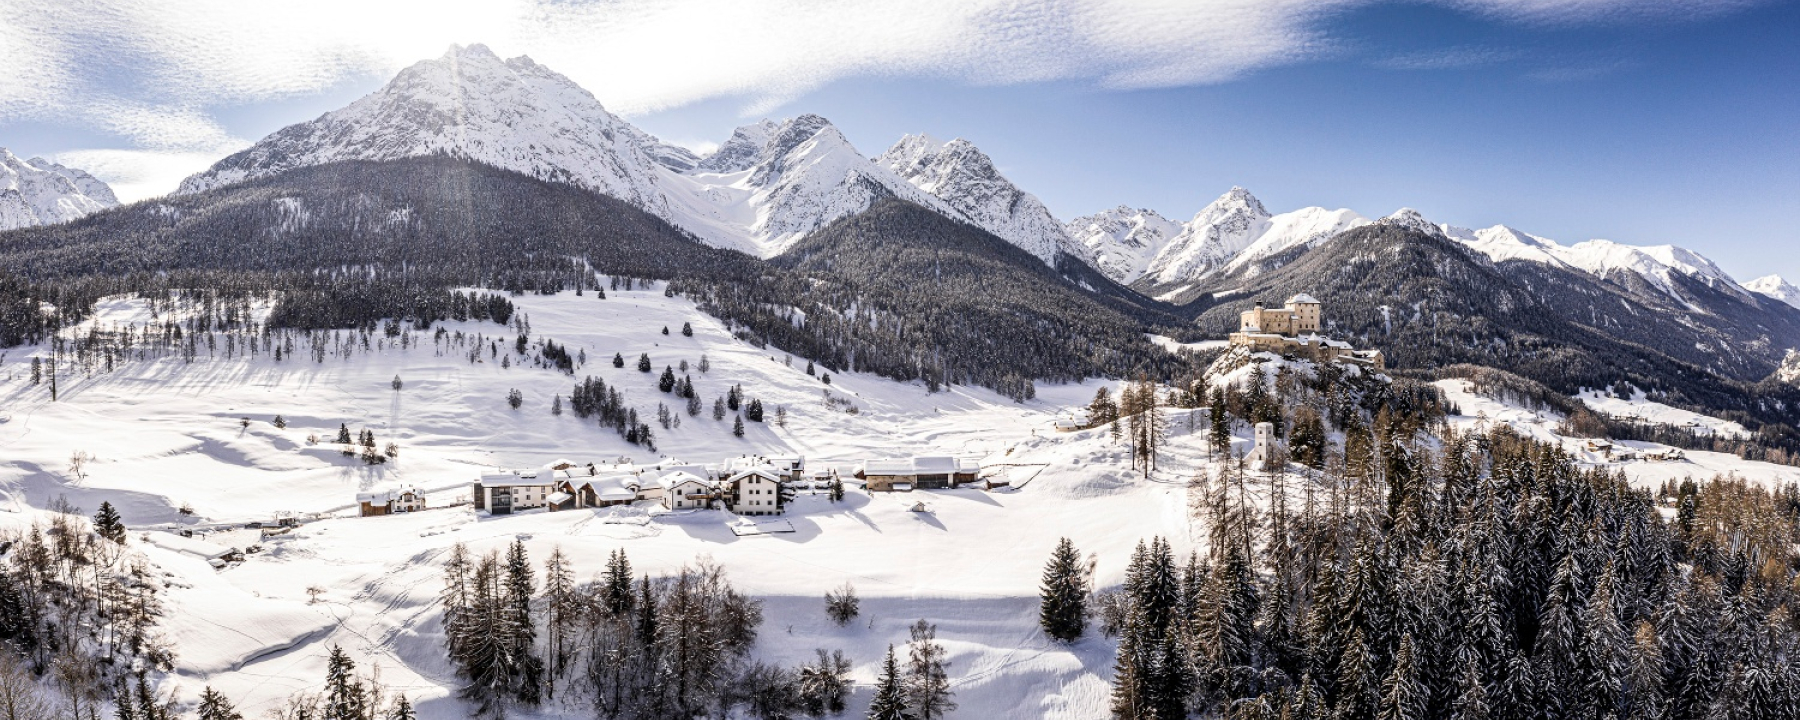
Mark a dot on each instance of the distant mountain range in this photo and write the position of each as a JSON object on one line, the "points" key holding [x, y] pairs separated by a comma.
{"points": [[38, 192], [774, 185]]}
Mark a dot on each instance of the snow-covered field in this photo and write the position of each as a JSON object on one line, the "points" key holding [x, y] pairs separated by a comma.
{"points": [[166, 434]]}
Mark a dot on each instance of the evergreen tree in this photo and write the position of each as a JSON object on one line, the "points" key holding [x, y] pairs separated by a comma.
{"points": [[1219, 433], [343, 436], [618, 360], [616, 592], [643, 363], [687, 330], [403, 709], [1062, 611], [1403, 696], [666, 383], [214, 706], [107, 523], [344, 695], [737, 426], [890, 697], [520, 627]]}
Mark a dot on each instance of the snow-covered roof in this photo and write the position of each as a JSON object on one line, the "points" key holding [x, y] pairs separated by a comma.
{"points": [[513, 480], [762, 472], [190, 546], [676, 479], [1303, 298], [558, 498], [934, 465], [888, 467]]}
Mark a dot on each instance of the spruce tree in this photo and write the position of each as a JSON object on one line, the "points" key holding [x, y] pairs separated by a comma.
{"points": [[521, 627], [666, 383], [1063, 606], [1403, 696], [890, 698], [618, 360], [687, 330], [214, 706], [643, 364], [107, 523], [737, 426], [344, 695], [403, 709]]}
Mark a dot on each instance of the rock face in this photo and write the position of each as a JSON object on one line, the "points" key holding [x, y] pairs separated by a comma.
{"points": [[1122, 241], [965, 179], [1789, 372], [512, 114], [40, 192]]}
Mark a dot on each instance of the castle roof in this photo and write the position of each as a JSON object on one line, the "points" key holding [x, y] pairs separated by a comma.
{"points": [[1303, 298]]}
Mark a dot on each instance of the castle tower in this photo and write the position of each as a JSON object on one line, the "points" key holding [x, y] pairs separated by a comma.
{"points": [[1306, 313]]}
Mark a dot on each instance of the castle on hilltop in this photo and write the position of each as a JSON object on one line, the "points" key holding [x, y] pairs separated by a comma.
{"points": [[1293, 329]]}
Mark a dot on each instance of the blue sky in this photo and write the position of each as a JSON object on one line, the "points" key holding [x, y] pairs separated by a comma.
{"points": [[1641, 121]]}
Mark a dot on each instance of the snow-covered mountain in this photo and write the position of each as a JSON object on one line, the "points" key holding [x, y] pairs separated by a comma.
{"points": [[742, 150], [38, 192], [965, 178], [1775, 287], [805, 175], [1657, 265], [1789, 371], [1235, 231], [513, 114], [1122, 241]]}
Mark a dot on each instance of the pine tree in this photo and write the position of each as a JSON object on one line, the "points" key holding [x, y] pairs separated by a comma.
{"points": [[616, 592], [556, 405], [214, 706], [1219, 434], [403, 709], [521, 626], [687, 330], [643, 364], [618, 360], [107, 523], [343, 436], [666, 383], [927, 682], [737, 426], [1063, 607], [561, 612], [718, 412], [890, 698], [1403, 696], [344, 695]]}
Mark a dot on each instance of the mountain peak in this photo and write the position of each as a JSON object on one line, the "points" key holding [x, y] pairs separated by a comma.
{"points": [[38, 192], [1413, 220], [1774, 286], [964, 177]]}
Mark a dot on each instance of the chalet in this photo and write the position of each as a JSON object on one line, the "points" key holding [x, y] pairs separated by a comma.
{"points": [[923, 473], [599, 491], [686, 491], [1068, 425], [503, 493], [1665, 455], [389, 501], [1600, 446], [756, 491]]}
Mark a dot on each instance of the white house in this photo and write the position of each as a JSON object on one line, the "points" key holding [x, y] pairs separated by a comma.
{"points": [[685, 491], [385, 501], [756, 491], [503, 493]]}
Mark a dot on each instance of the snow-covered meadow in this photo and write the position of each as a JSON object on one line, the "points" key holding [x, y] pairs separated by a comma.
{"points": [[164, 434]]}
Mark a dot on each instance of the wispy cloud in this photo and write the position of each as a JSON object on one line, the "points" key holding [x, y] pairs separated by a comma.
{"points": [[149, 70], [1456, 58]]}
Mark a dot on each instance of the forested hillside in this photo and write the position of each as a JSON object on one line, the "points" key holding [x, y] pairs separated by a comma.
{"points": [[898, 291]]}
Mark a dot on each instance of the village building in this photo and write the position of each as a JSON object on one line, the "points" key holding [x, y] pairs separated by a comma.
{"points": [[921, 473], [1267, 455], [683, 490], [505, 493], [1293, 330], [756, 491], [388, 501]]}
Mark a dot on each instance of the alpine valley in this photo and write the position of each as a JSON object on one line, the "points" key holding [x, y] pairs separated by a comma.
{"points": [[481, 266]]}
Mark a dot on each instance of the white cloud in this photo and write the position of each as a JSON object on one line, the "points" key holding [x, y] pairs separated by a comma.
{"points": [[158, 65], [138, 174]]}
